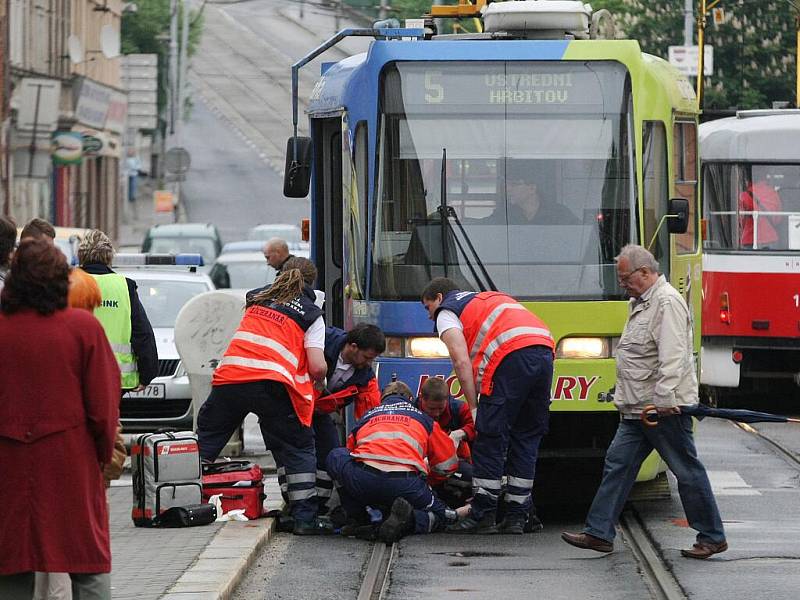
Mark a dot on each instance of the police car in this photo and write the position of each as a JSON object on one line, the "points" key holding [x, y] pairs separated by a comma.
{"points": [[165, 283]]}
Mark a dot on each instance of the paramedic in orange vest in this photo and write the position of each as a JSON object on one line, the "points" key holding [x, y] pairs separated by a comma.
{"points": [[270, 368], [455, 419], [389, 454], [503, 352]]}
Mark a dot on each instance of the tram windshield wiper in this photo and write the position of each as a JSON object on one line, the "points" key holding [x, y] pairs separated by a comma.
{"points": [[445, 214]]}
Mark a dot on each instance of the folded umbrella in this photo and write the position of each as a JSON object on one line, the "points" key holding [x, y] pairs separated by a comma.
{"points": [[650, 415]]}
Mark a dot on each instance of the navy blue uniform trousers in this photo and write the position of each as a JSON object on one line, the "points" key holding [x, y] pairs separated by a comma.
{"points": [[291, 442], [359, 488], [510, 424]]}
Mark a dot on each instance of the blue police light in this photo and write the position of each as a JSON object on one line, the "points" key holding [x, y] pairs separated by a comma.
{"points": [[193, 260], [141, 260]]}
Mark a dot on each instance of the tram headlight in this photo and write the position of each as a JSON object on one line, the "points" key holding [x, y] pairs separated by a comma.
{"points": [[394, 347], [583, 347], [426, 347]]}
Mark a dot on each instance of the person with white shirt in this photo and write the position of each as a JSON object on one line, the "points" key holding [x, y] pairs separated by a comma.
{"points": [[272, 367], [504, 352]]}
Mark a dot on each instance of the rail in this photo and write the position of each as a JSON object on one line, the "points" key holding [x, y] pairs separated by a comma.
{"points": [[376, 577], [782, 450], [662, 583]]}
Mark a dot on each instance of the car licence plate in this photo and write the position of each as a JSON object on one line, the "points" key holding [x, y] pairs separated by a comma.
{"points": [[154, 391]]}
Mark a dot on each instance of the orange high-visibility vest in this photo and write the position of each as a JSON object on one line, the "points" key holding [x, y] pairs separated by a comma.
{"points": [[494, 325], [269, 345]]}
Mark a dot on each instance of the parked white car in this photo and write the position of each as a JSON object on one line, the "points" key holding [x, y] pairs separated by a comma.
{"points": [[167, 400]]}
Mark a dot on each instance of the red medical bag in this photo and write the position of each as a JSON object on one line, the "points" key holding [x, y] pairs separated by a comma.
{"points": [[240, 484]]}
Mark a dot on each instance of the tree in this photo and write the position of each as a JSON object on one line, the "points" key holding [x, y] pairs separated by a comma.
{"points": [[147, 31], [754, 51]]}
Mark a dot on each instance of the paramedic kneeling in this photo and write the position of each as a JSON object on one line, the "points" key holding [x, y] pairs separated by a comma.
{"points": [[504, 352], [270, 368], [387, 458]]}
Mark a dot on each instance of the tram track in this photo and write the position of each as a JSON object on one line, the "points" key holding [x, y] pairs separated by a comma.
{"points": [[376, 577], [779, 448], [659, 578]]}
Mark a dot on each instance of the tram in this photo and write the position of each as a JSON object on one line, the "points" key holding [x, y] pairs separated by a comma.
{"points": [[751, 255], [416, 152]]}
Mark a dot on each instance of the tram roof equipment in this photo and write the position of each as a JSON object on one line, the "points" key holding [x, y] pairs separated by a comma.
{"points": [[752, 135]]}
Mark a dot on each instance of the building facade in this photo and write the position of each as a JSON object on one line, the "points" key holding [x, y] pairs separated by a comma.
{"points": [[66, 152]]}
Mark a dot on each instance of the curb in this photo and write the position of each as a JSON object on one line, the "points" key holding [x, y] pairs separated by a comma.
{"points": [[222, 565]]}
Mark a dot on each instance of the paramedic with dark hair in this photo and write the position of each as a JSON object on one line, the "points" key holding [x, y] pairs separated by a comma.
{"points": [[504, 352]]}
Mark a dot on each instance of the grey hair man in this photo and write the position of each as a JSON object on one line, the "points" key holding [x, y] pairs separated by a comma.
{"points": [[276, 251], [655, 365]]}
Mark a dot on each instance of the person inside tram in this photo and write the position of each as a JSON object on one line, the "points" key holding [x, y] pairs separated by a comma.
{"points": [[759, 196], [531, 194]]}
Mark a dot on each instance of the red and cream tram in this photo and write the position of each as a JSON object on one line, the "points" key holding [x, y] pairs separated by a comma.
{"points": [[751, 255]]}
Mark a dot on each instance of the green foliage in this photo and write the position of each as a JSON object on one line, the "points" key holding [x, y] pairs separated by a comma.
{"points": [[147, 32], [754, 48]]}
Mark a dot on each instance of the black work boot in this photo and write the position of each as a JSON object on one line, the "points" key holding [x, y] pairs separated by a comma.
{"points": [[512, 524], [484, 525], [399, 523]]}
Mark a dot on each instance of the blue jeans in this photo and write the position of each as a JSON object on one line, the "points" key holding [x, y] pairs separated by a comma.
{"points": [[359, 488], [673, 440]]}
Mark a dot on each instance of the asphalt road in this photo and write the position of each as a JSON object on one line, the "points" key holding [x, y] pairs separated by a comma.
{"points": [[229, 184]]}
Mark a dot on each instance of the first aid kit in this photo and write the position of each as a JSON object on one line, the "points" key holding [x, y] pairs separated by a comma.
{"points": [[239, 484], [165, 468]]}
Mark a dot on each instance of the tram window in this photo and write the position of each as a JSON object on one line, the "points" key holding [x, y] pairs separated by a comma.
{"points": [[354, 182], [685, 168], [656, 185], [498, 235]]}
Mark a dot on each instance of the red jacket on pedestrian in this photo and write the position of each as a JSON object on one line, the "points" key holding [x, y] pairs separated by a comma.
{"points": [[59, 408]]}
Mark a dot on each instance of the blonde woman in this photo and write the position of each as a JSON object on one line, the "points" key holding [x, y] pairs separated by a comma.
{"points": [[270, 368]]}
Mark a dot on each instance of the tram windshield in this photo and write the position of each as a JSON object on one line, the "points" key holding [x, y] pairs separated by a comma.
{"points": [[535, 161], [751, 207]]}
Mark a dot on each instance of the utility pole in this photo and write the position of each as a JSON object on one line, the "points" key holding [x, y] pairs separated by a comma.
{"points": [[701, 28], [688, 22], [184, 69], [173, 65]]}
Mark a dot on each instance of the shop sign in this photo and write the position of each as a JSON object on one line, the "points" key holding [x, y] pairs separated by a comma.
{"points": [[117, 112], [91, 144], [163, 201], [92, 105], [67, 148]]}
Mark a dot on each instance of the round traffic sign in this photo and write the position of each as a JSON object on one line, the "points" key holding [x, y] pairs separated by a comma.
{"points": [[177, 160]]}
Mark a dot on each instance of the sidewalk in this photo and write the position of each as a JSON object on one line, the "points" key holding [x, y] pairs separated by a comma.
{"points": [[192, 563]]}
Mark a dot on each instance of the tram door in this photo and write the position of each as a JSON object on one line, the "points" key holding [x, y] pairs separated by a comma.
{"points": [[327, 215]]}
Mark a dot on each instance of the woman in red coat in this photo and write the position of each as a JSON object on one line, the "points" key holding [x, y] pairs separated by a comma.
{"points": [[59, 406]]}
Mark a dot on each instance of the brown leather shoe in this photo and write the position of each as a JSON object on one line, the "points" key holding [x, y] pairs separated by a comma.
{"points": [[703, 550], [587, 542]]}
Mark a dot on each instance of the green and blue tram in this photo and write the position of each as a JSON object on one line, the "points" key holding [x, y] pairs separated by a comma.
{"points": [[411, 152]]}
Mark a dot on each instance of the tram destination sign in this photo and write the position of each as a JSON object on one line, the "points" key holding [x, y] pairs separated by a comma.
{"points": [[505, 84]]}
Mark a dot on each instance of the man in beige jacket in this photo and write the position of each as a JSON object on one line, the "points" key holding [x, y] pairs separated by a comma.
{"points": [[655, 365]]}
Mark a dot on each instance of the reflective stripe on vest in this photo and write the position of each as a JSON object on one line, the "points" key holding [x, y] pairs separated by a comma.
{"points": [[114, 315], [269, 346], [495, 325], [383, 439]]}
